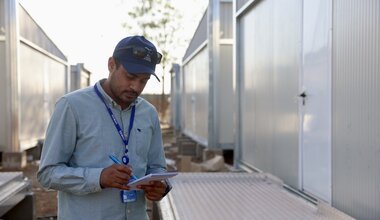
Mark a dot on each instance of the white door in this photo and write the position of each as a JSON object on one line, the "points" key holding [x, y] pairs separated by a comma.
{"points": [[315, 99]]}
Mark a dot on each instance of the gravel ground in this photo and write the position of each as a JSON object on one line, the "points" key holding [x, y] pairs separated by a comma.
{"points": [[46, 200]]}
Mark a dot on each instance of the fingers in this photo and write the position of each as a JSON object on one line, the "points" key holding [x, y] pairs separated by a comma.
{"points": [[154, 191], [115, 176]]}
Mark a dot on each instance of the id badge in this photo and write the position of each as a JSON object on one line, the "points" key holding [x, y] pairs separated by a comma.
{"points": [[128, 196]]}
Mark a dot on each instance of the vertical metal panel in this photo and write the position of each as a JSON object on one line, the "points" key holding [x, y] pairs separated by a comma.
{"points": [[226, 20], [356, 104], [225, 98], [3, 110], [213, 28], [175, 96], [79, 77], [220, 28], [196, 99], [315, 107], [269, 36], [12, 75], [286, 40], [2, 18], [256, 47], [32, 119], [3, 100], [42, 82]]}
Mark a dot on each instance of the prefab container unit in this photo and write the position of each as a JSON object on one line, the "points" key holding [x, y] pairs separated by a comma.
{"points": [[80, 76], [207, 98], [175, 97], [308, 85], [33, 74]]}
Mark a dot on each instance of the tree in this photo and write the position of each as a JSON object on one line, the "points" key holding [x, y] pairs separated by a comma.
{"points": [[159, 21]]}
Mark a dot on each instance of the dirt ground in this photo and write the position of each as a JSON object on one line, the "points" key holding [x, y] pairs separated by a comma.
{"points": [[45, 200]]}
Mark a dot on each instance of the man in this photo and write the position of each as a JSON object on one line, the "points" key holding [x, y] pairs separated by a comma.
{"points": [[108, 119]]}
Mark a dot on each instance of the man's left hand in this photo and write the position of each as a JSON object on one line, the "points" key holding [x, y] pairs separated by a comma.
{"points": [[154, 191]]}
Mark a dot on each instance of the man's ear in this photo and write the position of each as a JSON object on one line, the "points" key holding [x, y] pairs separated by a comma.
{"points": [[111, 64]]}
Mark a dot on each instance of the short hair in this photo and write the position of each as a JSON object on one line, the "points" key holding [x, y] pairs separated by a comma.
{"points": [[117, 62]]}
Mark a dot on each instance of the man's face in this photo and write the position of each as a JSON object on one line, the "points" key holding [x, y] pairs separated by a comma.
{"points": [[125, 87]]}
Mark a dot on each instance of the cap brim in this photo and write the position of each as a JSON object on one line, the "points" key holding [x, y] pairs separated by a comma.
{"points": [[137, 68]]}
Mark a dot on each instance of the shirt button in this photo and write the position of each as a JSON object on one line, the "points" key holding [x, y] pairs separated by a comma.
{"points": [[128, 210]]}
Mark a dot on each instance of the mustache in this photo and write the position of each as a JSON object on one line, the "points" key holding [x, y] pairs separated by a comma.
{"points": [[131, 92]]}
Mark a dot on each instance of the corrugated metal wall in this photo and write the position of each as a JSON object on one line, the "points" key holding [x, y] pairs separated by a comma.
{"points": [[195, 98], [226, 20], [3, 81], [30, 30], [175, 96], [356, 107], [268, 38], [287, 37], [79, 76], [268, 60], [207, 79], [221, 53], [42, 82], [34, 75], [226, 98], [42, 75], [2, 18], [3, 93]]}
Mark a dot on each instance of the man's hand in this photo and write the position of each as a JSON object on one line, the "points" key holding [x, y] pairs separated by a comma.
{"points": [[115, 176], [154, 191]]}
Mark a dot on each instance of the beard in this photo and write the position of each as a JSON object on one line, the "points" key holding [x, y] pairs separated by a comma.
{"points": [[124, 97]]}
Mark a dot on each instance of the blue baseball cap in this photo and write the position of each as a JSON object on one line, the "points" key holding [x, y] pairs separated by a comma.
{"points": [[137, 55]]}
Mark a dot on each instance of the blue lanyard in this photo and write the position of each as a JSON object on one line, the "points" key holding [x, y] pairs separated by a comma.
{"points": [[125, 158]]}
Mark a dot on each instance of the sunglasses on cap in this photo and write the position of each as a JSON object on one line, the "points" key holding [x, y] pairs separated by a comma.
{"points": [[142, 52]]}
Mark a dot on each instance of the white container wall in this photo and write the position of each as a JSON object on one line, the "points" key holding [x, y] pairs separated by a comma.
{"points": [[268, 61], [42, 82], [79, 77], [208, 105], [33, 73], [195, 99], [175, 96], [356, 108], [307, 83]]}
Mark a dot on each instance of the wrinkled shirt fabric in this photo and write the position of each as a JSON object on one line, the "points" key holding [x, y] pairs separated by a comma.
{"points": [[79, 139]]}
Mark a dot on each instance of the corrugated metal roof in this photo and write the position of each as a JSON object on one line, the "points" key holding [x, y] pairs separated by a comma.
{"points": [[238, 196], [13, 188]]}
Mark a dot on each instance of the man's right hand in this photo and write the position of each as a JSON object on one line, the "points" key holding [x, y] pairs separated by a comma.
{"points": [[115, 176]]}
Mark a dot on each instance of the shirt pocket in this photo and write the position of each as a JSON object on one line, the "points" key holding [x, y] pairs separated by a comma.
{"points": [[143, 141]]}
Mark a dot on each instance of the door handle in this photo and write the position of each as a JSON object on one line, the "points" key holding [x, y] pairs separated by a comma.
{"points": [[303, 96]]}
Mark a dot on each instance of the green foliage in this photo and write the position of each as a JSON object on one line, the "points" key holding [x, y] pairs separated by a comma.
{"points": [[158, 21]]}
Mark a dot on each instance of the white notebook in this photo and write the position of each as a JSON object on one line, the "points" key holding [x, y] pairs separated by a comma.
{"points": [[151, 177]]}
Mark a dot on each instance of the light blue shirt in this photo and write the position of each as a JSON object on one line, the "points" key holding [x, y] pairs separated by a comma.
{"points": [[80, 137]]}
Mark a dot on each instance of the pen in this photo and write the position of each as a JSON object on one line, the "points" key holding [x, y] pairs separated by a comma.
{"points": [[117, 161]]}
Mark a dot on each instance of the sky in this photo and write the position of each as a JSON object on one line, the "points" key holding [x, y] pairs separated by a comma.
{"points": [[86, 31]]}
